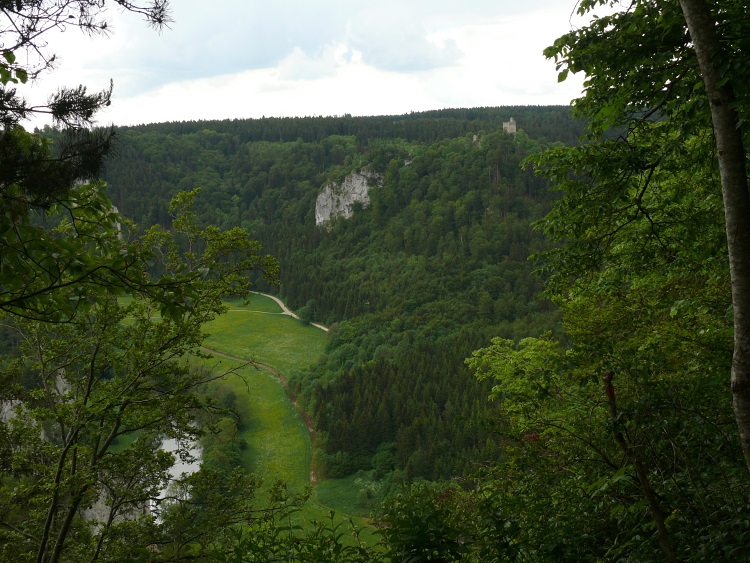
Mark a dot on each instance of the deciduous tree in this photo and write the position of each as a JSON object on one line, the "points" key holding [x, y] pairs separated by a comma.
{"points": [[35, 176], [639, 403], [682, 66], [93, 396], [723, 68]]}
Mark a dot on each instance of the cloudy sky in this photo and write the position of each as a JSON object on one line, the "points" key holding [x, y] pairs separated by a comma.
{"points": [[243, 58]]}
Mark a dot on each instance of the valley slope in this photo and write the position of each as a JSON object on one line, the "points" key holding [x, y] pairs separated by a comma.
{"points": [[435, 265]]}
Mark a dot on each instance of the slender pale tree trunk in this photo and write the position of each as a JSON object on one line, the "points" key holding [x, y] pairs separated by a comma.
{"points": [[734, 185]]}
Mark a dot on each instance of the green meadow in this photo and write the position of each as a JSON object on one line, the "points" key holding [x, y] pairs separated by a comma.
{"points": [[258, 331], [279, 445]]}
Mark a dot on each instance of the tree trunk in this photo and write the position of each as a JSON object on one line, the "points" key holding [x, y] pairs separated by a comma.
{"points": [[734, 186], [658, 514]]}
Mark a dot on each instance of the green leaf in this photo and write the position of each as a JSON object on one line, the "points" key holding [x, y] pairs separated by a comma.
{"points": [[5, 74]]}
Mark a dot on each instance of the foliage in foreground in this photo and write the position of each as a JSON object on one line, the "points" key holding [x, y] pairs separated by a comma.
{"points": [[619, 443], [112, 372]]}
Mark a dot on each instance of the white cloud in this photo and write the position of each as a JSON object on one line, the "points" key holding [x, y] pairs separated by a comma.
{"points": [[298, 65], [396, 38], [242, 59]]}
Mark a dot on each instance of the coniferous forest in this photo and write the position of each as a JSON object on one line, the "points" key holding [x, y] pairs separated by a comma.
{"points": [[434, 267], [538, 344]]}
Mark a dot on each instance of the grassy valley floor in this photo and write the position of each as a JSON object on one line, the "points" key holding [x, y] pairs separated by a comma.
{"points": [[273, 346]]}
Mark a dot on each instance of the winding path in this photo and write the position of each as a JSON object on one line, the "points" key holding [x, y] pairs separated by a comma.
{"points": [[273, 371], [286, 311]]}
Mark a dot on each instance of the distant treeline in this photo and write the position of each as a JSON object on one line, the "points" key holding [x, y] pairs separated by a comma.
{"points": [[553, 123]]}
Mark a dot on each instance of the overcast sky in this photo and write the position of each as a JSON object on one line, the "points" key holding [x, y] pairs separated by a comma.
{"points": [[243, 58]]}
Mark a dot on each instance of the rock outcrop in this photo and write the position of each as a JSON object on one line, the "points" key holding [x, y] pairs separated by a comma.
{"points": [[8, 410], [337, 200]]}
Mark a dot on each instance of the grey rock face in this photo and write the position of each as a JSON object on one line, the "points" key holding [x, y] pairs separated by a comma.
{"points": [[337, 200]]}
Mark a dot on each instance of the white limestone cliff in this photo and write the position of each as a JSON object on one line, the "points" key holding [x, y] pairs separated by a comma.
{"points": [[337, 200]]}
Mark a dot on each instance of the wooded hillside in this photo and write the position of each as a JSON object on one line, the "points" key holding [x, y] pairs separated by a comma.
{"points": [[431, 270]]}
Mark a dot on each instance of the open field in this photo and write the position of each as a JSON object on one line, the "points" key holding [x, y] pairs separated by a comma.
{"points": [[259, 332], [279, 445], [341, 495]]}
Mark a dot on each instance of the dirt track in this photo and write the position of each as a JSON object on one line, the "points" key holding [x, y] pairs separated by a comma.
{"points": [[286, 311]]}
